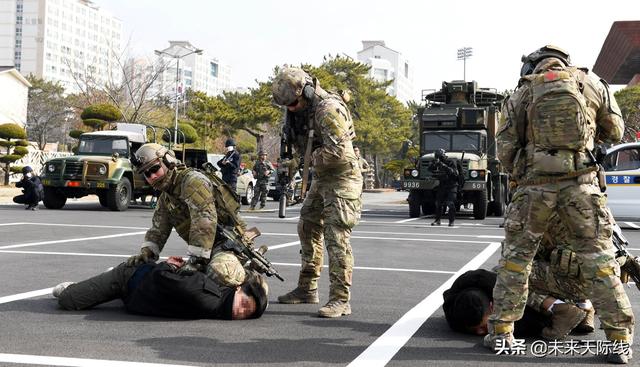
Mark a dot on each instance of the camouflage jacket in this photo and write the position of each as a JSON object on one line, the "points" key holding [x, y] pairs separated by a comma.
{"points": [[333, 159], [262, 170], [189, 207], [514, 139]]}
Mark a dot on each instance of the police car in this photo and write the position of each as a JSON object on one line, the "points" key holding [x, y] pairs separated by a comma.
{"points": [[622, 168]]}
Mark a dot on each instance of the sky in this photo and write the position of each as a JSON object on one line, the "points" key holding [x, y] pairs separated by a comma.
{"points": [[253, 36]]}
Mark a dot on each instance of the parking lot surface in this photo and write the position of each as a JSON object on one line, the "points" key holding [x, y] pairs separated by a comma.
{"points": [[402, 266]]}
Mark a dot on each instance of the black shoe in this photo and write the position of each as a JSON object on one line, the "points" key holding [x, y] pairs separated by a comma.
{"points": [[436, 223], [450, 224]]}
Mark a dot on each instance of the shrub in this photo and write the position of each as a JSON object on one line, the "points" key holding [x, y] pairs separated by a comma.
{"points": [[76, 133], [101, 111], [12, 131], [190, 134], [21, 150]]}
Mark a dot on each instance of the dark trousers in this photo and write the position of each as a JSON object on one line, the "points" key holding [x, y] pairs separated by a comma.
{"points": [[446, 198], [105, 287], [27, 198]]}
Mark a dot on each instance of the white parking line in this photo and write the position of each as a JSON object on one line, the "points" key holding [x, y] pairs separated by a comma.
{"points": [[388, 344], [385, 238], [409, 220], [71, 240], [17, 297], [632, 225], [74, 225], [288, 244], [402, 270], [12, 224], [77, 362]]}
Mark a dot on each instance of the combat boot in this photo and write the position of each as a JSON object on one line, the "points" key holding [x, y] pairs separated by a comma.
{"points": [[300, 295], [252, 208], [450, 223], [436, 223], [335, 309], [587, 325], [620, 358], [497, 342], [564, 318], [58, 289]]}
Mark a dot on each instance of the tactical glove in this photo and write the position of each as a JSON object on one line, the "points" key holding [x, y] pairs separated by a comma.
{"points": [[192, 265], [145, 256]]}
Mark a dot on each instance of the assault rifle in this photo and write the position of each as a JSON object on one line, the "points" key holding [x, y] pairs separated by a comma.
{"points": [[631, 264], [242, 245], [597, 156]]}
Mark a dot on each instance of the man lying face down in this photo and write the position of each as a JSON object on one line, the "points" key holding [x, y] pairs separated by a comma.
{"points": [[157, 289]]}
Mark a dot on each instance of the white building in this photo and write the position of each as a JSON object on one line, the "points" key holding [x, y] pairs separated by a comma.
{"points": [[196, 71], [58, 40], [14, 94], [387, 64]]}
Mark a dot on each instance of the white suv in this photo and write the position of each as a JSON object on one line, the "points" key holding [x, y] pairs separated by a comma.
{"points": [[622, 167]]}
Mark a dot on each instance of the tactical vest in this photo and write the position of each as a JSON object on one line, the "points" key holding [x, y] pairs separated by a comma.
{"points": [[558, 121], [227, 201]]}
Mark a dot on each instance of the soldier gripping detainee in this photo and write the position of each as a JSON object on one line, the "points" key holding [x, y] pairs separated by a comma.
{"points": [[549, 126], [333, 204]]}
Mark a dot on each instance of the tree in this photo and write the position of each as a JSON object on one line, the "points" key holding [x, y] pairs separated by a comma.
{"points": [[629, 101], [100, 114], [46, 111], [14, 149]]}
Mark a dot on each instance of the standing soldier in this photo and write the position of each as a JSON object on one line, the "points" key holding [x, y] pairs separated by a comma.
{"points": [[447, 174], [194, 204], [230, 164], [333, 204], [364, 166], [550, 124], [262, 170]]}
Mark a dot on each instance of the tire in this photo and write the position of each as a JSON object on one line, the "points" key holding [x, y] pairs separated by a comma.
{"points": [[428, 207], [119, 196], [53, 199], [248, 196], [282, 207], [480, 205], [103, 199], [415, 203], [500, 203]]}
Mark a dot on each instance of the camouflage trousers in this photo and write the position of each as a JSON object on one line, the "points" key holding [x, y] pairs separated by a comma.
{"points": [[327, 219], [260, 194], [545, 282], [582, 210]]}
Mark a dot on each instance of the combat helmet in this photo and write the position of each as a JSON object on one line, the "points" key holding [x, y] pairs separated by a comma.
{"points": [[530, 61], [230, 143], [26, 169], [290, 84], [151, 153]]}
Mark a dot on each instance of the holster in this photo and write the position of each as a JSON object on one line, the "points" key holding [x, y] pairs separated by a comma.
{"points": [[565, 263]]}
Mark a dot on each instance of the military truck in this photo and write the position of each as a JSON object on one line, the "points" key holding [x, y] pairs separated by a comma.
{"points": [[461, 119], [100, 167]]}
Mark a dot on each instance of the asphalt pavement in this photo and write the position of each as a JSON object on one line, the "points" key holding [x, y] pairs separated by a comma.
{"points": [[402, 266]]}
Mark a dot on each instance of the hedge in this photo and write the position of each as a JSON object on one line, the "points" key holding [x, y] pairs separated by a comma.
{"points": [[101, 111]]}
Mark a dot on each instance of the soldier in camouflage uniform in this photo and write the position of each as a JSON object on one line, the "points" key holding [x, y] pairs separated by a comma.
{"points": [[554, 117], [364, 166], [262, 170], [333, 204], [187, 204]]}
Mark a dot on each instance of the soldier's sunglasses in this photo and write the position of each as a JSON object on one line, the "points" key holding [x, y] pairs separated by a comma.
{"points": [[152, 170], [294, 103]]}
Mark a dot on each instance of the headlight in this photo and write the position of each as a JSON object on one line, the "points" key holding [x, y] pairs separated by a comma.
{"points": [[414, 173], [102, 170], [473, 174], [51, 167]]}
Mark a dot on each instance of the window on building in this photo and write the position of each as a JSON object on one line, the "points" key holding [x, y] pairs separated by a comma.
{"points": [[380, 74], [213, 69], [406, 70], [376, 56]]}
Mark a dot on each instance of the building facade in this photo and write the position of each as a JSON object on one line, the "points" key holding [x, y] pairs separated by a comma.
{"points": [[387, 64], [60, 40], [198, 72], [14, 93]]}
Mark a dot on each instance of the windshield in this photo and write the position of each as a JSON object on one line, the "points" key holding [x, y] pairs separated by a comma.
{"points": [[104, 145], [455, 142]]}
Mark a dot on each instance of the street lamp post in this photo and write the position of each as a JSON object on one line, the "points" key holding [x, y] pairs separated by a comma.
{"points": [[463, 54], [177, 52]]}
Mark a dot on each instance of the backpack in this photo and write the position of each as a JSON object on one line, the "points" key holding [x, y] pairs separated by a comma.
{"points": [[558, 111]]}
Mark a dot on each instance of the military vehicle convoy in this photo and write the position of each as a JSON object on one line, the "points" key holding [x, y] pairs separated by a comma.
{"points": [[100, 167], [461, 119]]}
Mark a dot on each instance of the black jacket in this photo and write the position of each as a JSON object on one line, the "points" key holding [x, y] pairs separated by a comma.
{"points": [[230, 170], [446, 172], [155, 289], [32, 188], [532, 321]]}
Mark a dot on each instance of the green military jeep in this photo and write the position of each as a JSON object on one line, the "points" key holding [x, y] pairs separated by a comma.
{"points": [[100, 167]]}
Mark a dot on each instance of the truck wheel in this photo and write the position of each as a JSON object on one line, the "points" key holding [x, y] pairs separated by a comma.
{"points": [[53, 199], [119, 196], [248, 196], [428, 207], [415, 202], [102, 196], [500, 204], [480, 205]]}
